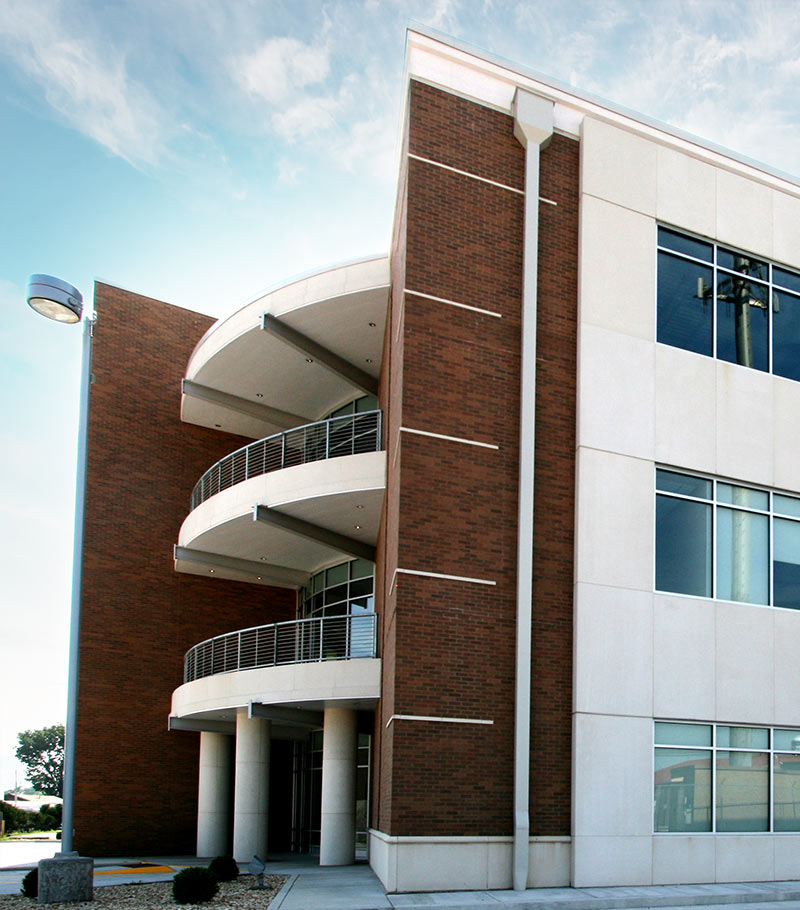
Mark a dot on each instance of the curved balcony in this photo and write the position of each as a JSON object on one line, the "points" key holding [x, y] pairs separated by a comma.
{"points": [[352, 434], [298, 641], [292, 354], [276, 510]]}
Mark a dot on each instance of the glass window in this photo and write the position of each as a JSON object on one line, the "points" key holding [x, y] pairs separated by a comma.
{"points": [[681, 243], [786, 334], [786, 792], [742, 322], [743, 737], [752, 536], [742, 788], [742, 556], [684, 484], [685, 307], [683, 734], [683, 546], [786, 563], [682, 799], [730, 304], [725, 787]]}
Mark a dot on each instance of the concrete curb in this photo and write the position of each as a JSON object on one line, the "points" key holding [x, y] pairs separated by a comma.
{"points": [[280, 897]]}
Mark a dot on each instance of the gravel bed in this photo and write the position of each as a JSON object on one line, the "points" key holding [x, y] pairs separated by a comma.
{"points": [[236, 894]]}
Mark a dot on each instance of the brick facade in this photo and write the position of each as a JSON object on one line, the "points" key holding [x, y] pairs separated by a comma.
{"points": [[451, 508], [136, 788]]}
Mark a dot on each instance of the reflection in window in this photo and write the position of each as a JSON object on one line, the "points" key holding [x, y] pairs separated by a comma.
{"points": [[728, 304], [752, 535], [709, 778]]}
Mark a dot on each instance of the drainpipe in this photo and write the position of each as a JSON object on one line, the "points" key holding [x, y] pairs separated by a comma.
{"points": [[533, 127]]}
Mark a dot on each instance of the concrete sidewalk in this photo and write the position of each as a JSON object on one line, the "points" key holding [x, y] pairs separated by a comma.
{"points": [[310, 887]]}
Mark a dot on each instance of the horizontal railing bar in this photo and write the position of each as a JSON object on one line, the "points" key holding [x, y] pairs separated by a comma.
{"points": [[309, 640], [300, 445]]}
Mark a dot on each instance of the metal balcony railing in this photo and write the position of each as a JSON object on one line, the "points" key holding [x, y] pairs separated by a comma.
{"points": [[332, 438], [295, 642]]}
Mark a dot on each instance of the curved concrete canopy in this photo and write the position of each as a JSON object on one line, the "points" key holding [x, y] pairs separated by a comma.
{"points": [[342, 309], [340, 495], [312, 686]]}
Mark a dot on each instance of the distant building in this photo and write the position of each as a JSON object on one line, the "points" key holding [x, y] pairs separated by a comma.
{"points": [[487, 553]]}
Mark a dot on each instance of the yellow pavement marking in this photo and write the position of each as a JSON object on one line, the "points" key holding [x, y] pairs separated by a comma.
{"points": [[156, 870]]}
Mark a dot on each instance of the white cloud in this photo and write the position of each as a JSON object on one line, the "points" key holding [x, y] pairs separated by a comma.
{"points": [[279, 67], [85, 81]]}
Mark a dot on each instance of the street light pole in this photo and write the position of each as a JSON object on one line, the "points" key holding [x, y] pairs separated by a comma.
{"points": [[58, 300]]}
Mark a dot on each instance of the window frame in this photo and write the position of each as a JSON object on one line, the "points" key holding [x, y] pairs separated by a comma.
{"points": [[714, 748], [771, 513], [773, 289]]}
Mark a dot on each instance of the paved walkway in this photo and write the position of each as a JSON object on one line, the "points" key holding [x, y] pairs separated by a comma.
{"points": [[310, 887]]}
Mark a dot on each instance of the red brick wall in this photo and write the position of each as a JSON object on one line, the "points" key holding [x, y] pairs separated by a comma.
{"points": [[449, 646], [136, 787]]}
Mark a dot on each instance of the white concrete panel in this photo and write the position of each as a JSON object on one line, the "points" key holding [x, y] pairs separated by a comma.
{"points": [[745, 676], [613, 651], [616, 392], [615, 520], [617, 268], [687, 192], [683, 860], [786, 228], [500, 862], [786, 434], [787, 858], [744, 423], [383, 859], [787, 674], [442, 866], [306, 683], [618, 166], [685, 409], [549, 861], [604, 861], [684, 636], [744, 213], [743, 858], [612, 776]]}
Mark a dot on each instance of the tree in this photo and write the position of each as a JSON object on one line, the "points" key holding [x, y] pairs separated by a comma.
{"points": [[42, 753]]}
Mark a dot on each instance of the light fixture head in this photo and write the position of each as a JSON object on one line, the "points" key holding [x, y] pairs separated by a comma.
{"points": [[55, 298]]}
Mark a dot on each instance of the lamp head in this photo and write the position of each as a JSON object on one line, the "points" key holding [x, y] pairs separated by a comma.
{"points": [[54, 298]]}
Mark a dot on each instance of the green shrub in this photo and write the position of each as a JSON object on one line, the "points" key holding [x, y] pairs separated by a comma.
{"points": [[30, 884], [16, 819], [194, 885], [224, 868]]}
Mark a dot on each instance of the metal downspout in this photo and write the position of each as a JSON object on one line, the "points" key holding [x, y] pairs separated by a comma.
{"points": [[533, 127]]}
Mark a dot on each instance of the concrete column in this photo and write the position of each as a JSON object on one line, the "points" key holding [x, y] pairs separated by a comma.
{"points": [[339, 760], [213, 794], [251, 788]]}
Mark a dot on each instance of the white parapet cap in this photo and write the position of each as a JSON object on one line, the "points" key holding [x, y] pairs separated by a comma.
{"points": [[491, 80]]}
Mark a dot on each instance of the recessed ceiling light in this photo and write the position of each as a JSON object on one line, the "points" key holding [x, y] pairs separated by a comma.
{"points": [[259, 394], [357, 527], [369, 360], [217, 424], [263, 559], [309, 360], [258, 578], [359, 507], [372, 325], [211, 571]]}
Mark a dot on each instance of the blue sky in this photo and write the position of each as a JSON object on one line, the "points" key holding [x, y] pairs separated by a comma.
{"points": [[198, 151]]}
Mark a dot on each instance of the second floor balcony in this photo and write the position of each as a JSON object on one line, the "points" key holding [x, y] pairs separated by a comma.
{"points": [[277, 509], [352, 434]]}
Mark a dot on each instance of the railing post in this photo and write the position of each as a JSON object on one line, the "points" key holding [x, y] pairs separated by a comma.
{"points": [[328, 438], [239, 651], [321, 635], [283, 450], [247, 463]]}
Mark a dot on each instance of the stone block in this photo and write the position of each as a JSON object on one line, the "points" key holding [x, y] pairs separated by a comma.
{"points": [[66, 877]]}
